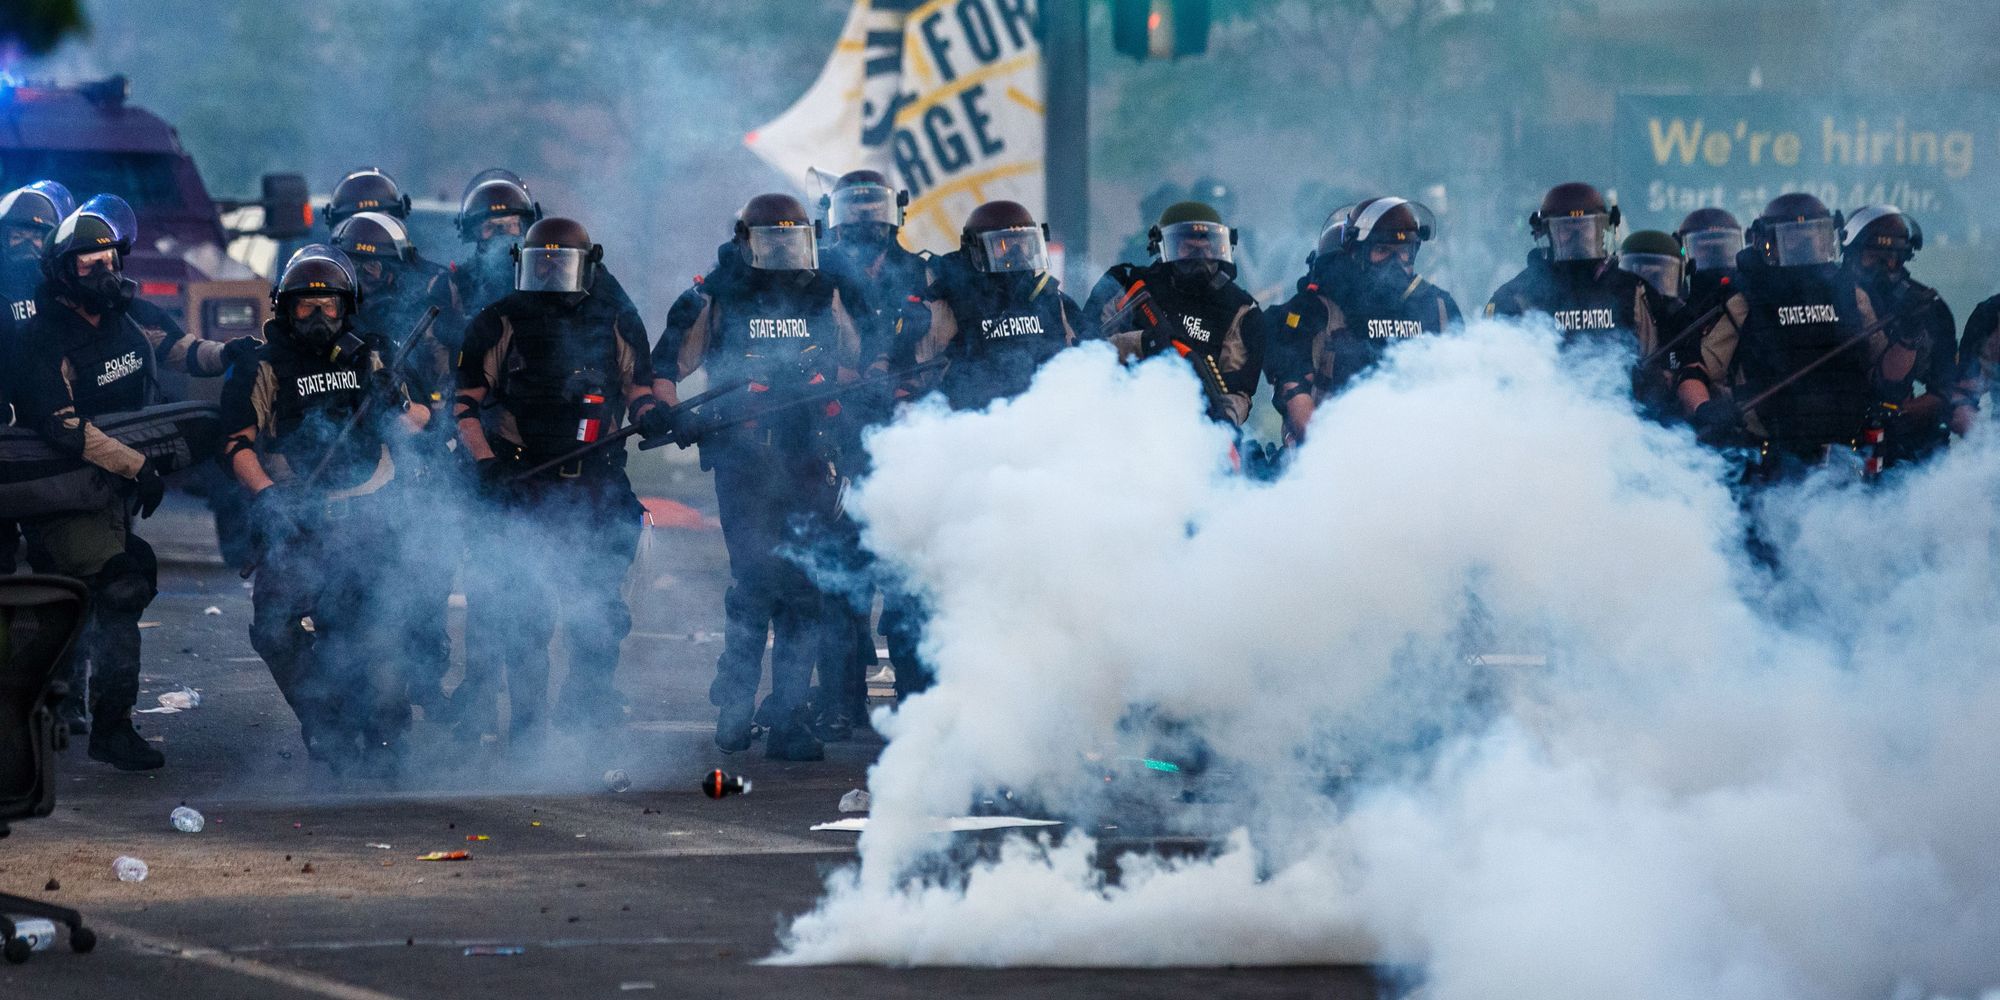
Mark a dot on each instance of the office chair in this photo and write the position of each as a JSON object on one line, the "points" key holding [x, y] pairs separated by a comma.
{"points": [[40, 618]]}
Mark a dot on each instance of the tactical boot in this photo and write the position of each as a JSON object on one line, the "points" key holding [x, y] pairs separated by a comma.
{"points": [[437, 706], [733, 731], [73, 715], [116, 743], [793, 741]]}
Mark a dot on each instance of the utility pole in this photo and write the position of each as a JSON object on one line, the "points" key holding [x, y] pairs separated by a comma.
{"points": [[1066, 142]]}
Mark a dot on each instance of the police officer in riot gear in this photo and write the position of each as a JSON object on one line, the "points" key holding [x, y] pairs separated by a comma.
{"points": [[1361, 296], [92, 349], [994, 308], [1789, 312], [1573, 277], [552, 366], [1978, 365], [1187, 301], [321, 509], [768, 315], [398, 285], [368, 189], [1710, 239], [994, 311], [1876, 245], [864, 215], [492, 214], [28, 214]]}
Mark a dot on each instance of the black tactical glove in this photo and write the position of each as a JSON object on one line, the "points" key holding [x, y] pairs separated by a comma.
{"points": [[147, 489], [660, 420], [275, 514], [390, 391], [239, 351], [1716, 418], [495, 478]]}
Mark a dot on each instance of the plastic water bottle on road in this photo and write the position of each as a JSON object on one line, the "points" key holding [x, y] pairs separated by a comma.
{"points": [[129, 869], [187, 820]]}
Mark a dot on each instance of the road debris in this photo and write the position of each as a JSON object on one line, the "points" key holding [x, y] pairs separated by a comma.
{"points": [[175, 701], [717, 784], [855, 801], [446, 856], [212, 610], [494, 950], [953, 824]]}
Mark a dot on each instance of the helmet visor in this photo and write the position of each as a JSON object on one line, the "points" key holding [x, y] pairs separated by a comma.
{"points": [[1714, 249], [115, 213], [863, 203], [546, 269], [1805, 244], [1195, 241], [1661, 271], [1580, 237], [783, 248], [1018, 249]]}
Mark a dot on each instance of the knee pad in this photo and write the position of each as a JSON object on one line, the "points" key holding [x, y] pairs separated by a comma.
{"points": [[129, 581]]}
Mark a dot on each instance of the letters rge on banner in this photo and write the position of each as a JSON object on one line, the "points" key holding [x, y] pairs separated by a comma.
{"points": [[944, 96]]}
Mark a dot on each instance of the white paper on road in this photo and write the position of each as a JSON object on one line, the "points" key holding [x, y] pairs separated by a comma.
{"points": [[954, 824]]}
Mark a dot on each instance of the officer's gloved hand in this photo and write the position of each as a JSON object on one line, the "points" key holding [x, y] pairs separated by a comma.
{"points": [[1715, 419], [495, 478], [148, 489], [275, 513], [390, 390], [239, 351], [660, 420]]}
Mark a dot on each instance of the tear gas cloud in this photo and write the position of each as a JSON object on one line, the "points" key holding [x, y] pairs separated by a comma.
{"points": [[1727, 781]]}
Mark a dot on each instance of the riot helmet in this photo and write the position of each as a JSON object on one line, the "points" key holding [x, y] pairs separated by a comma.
{"points": [[84, 259], [1213, 191], [775, 233], [368, 189], [1574, 223], [1796, 230], [376, 244], [1656, 257], [863, 207], [556, 255], [1002, 237], [1712, 238], [1389, 229], [28, 214], [495, 197], [315, 298], [1192, 231]]}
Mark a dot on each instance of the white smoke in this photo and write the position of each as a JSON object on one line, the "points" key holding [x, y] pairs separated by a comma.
{"points": [[1725, 783]]}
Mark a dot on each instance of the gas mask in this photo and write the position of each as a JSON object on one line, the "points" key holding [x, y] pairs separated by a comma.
{"points": [[102, 288], [1197, 274]]}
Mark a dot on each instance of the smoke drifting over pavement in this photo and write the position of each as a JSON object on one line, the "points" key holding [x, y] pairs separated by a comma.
{"points": [[1726, 782]]}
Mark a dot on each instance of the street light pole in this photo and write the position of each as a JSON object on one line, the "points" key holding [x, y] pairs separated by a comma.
{"points": [[1066, 145]]}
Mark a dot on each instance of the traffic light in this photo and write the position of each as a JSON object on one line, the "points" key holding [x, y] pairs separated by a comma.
{"points": [[1159, 29]]}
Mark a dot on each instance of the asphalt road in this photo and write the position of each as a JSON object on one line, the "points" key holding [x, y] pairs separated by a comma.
{"points": [[654, 890]]}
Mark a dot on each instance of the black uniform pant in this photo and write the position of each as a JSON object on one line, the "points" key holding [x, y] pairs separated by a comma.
{"points": [[773, 504], [847, 645], [118, 567], [322, 617], [556, 554], [432, 546]]}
